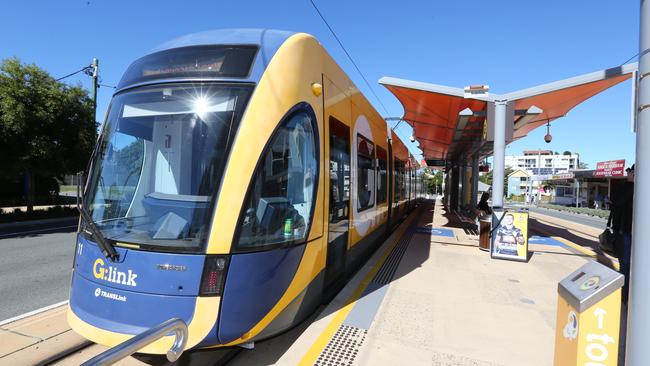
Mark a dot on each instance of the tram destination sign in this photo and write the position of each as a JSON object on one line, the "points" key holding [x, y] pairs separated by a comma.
{"points": [[611, 168]]}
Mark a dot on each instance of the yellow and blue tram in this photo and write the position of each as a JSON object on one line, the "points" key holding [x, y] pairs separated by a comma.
{"points": [[239, 177]]}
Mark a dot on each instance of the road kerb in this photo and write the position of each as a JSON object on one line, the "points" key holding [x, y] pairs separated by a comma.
{"points": [[38, 336]]}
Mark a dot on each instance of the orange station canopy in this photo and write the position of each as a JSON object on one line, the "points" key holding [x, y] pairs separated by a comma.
{"points": [[450, 121]]}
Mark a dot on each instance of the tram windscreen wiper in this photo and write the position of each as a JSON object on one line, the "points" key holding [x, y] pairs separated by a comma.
{"points": [[107, 249]]}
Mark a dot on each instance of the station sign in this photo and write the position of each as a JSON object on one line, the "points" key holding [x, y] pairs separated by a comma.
{"points": [[610, 168], [436, 162], [561, 176]]}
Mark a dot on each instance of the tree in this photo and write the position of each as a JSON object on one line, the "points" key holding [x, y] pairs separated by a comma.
{"points": [[437, 181], [566, 152], [47, 128], [583, 165], [487, 178], [434, 181]]}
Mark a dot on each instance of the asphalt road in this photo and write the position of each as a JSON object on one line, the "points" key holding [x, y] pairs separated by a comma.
{"points": [[592, 221], [35, 267]]}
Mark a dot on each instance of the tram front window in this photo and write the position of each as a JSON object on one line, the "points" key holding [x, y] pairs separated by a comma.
{"points": [[160, 161]]}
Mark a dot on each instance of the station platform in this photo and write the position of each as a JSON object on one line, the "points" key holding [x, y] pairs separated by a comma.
{"points": [[428, 296]]}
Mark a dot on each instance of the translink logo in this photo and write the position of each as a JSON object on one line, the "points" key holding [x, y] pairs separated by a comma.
{"points": [[111, 274]]}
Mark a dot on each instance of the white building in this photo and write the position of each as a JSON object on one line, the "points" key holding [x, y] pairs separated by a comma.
{"points": [[543, 162]]}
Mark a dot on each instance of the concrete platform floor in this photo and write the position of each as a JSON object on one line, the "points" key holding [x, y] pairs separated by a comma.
{"points": [[448, 303]]}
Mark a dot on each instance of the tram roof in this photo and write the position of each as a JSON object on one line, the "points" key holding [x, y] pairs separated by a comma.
{"points": [[267, 40], [448, 121]]}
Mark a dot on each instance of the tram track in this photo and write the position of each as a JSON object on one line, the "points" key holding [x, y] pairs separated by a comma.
{"points": [[78, 355], [580, 238]]}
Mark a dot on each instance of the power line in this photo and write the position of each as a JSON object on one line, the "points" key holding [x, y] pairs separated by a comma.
{"points": [[74, 73], [350, 57], [630, 59]]}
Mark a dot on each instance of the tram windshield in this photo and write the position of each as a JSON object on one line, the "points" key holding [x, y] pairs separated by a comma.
{"points": [[159, 163]]}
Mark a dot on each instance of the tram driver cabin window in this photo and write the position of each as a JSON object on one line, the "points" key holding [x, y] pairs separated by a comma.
{"points": [[365, 173], [279, 203]]}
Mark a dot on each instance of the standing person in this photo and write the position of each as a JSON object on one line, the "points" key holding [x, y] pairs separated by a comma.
{"points": [[483, 204], [621, 206], [598, 201]]}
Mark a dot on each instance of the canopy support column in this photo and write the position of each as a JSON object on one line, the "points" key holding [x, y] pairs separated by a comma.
{"points": [[474, 198], [498, 164], [463, 180], [638, 319], [453, 187]]}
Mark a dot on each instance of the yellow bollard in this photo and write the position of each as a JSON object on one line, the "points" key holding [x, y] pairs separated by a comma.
{"points": [[588, 317]]}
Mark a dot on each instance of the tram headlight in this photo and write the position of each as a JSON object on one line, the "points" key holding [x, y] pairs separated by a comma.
{"points": [[214, 275]]}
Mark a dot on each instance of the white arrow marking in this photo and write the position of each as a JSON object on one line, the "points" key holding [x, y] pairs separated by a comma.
{"points": [[600, 314]]}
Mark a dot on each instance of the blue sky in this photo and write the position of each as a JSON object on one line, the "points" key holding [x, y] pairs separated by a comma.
{"points": [[508, 45]]}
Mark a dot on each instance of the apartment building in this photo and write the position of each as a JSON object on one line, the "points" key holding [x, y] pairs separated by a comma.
{"points": [[543, 162]]}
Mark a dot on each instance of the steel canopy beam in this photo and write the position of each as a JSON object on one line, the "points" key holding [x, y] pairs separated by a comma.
{"points": [[528, 116]]}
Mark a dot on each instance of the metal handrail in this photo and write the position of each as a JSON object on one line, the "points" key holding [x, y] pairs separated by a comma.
{"points": [[131, 346]]}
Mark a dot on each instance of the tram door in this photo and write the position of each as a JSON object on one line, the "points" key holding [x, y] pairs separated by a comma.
{"points": [[391, 184], [339, 201]]}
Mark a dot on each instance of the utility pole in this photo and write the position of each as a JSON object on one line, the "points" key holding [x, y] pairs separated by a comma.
{"points": [[638, 318], [95, 77]]}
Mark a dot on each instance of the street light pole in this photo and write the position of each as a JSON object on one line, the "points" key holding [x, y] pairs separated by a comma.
{"points": [[95, 79], [638, 318]]}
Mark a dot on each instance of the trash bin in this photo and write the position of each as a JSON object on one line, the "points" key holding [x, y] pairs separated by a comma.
{"points": [[485, 225], [588, 317]]}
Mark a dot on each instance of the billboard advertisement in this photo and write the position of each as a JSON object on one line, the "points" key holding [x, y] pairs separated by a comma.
{"points": [[510, 235], [611, 168]]}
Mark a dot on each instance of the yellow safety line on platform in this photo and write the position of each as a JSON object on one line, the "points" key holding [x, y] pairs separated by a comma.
{"points": [[575, 246], [323, 339]]}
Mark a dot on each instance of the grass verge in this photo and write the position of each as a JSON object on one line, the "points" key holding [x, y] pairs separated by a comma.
{"points": [[581, 210]]}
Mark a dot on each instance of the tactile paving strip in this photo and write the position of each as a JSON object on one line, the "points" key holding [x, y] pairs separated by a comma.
{"points": [[387, 270], [343, 348]]}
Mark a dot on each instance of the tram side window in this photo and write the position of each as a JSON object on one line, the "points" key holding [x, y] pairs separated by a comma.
{"points": [[365, 173], [382, 174], [280, 199], [397, 180], [402, 180]]}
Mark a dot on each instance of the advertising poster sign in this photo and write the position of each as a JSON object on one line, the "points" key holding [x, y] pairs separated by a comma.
{"points": [[611, 168], [510, 235]]}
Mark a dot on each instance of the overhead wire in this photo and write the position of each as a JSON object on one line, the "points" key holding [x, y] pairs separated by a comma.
{"points": [[349, 56], [630, 59], [74, 73]]}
